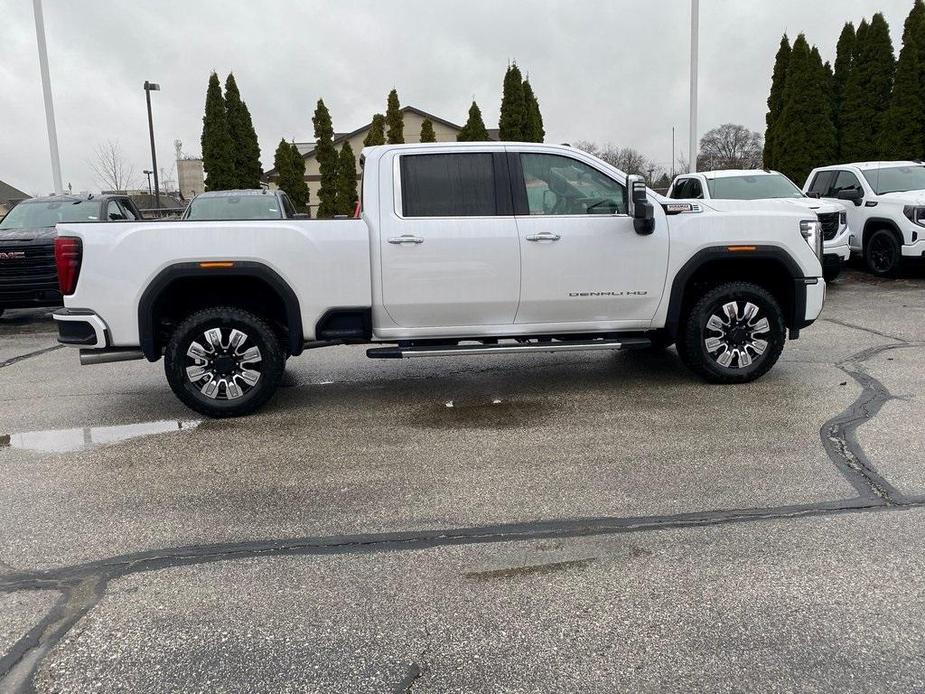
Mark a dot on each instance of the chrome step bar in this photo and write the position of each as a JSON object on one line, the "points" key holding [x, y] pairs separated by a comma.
{"points": [[480, 349]]}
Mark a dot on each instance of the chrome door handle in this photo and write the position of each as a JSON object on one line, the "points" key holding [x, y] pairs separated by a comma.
{"points": [[406, 238], [544, 236]]}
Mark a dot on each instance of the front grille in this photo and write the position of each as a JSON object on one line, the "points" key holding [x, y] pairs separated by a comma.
{"points": [[830, 223], [27, 269]]}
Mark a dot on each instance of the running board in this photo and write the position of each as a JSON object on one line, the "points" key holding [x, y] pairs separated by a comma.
{"points": [[461, 350]]}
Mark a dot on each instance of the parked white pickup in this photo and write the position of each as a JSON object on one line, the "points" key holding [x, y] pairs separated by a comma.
{"points": [[476, 248]]}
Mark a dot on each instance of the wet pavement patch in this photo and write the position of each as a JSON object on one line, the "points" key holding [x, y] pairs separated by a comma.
{"points": [[490, 413], [67, 440], [516, 571]]}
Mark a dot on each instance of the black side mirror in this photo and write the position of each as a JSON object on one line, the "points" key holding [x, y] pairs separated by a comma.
{"points": [[855, 195], [638, 205]]}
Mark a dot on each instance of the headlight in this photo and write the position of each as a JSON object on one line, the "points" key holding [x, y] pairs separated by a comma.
{"points": [[915, 214], [842, 219], [812, 232]]}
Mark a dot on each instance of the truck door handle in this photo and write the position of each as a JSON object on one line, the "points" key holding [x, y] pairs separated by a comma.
{"points": [[544, 236], [406, 238]]}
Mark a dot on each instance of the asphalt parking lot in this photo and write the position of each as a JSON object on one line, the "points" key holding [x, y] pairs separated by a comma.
{"points": [[573, 522]]}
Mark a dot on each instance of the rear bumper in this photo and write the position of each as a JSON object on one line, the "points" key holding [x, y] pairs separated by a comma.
{"points": [[81, 328]]}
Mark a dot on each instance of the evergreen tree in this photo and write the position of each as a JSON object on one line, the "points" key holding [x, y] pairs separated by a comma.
{"points": [[804, 132], [346, 181], [376, 134], [427, 131], [533, 122], [844, 60], [326, 155], [395, 120], [474, 129], [776, 101], [513, 108], [867, 91], [244, 139], [914, 32], [290, 171], [217, 148], [903, 133]]}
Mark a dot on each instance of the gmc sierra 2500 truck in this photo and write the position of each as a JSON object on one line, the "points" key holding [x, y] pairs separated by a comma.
{"points": [[461, 249]]}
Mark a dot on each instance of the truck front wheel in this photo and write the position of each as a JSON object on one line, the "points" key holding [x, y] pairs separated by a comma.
{"points": [[883, 253], [224, 362], [733, 334]]}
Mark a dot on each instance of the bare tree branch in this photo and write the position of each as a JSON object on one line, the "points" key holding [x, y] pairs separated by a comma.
{"points": [[730, 146], [111, 169]]}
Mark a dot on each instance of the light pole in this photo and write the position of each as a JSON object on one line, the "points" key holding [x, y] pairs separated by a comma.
{"points": [[695, 29], [148, 174], [152, 87], [46, 93]]}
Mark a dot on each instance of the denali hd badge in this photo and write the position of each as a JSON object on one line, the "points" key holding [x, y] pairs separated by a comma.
{"points": [[12, 255], [631, 292]]}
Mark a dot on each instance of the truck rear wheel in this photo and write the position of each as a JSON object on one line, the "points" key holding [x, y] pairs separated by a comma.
{"points": [[224, 362], [733, 334]]}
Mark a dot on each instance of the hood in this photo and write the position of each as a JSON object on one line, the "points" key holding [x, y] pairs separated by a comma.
{"points": [[817, 206], [778, 205], [906, 197], [25, 235]]}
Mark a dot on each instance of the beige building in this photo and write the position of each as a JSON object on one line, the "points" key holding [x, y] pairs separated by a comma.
{"points": [[444, 130], [190, 178]]}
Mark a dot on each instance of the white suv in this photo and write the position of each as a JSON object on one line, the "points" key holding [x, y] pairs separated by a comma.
{"points": [[886, 208], [760, 184]]}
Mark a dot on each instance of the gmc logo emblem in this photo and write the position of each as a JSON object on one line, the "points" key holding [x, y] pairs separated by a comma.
{"points": [[12, 255]]}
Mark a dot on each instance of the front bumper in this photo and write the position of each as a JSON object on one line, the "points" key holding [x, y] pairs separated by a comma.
{"points": [[81, 328], [914, 250]]}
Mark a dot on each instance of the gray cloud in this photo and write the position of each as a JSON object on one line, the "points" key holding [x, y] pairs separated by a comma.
{"points": [[606, 70]]}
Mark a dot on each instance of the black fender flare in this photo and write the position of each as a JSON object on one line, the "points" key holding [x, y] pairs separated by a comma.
{"points": [[147, 331], [875, 223]]}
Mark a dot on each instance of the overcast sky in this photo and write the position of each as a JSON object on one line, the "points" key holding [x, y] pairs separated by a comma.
{"points": [[604, 70]]}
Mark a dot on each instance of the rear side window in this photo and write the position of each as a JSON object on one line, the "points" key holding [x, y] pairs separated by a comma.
{"points": [[448, 185], [822, 183]]}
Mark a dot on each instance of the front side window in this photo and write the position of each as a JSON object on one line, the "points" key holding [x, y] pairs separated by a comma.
{"points": [[896, 179], [558, 185], [679, 191], [694, 189], [753, 187], [448, 185], [822, 183], [844, 181]]}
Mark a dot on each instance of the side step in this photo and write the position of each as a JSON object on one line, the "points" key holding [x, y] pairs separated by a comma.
{"points": [[479, 349]]}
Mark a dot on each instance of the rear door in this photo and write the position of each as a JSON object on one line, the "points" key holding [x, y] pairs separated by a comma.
{"points": [[448, 242], [581, 259]]}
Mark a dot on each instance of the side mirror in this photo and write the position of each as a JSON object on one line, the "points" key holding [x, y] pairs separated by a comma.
{"points": [[638, 206], [855, 195]]}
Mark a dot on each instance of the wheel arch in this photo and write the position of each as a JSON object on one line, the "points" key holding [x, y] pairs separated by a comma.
{"points": [[876, 224], [250, 284], [767, 266]]}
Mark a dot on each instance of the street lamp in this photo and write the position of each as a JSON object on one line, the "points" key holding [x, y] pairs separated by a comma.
{"points": [[152, 87], [695, 31], [148, 174]]}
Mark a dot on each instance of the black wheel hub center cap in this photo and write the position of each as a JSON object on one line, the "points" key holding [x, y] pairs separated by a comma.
{"points": [[224, 364], [738, 335]]}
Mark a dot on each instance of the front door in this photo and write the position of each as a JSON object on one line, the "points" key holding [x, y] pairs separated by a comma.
{"points": [[581, 259], [449, 249]]}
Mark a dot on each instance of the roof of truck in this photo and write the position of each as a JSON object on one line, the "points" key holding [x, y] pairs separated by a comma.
{"points": [[867, 165], [235, 193], [729, 173]]}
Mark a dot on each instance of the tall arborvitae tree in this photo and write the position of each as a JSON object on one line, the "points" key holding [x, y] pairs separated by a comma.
{"points": [[246, 148], [914, 32], [474, 130], [903, 133], [513, 107], [427, 131], [533, 121], [394, 120], [844, 60], [867, 92], [776, 101], [805, 135], [217, 147], [346, 181], [290, 171], [326, 155], [376, 134]]}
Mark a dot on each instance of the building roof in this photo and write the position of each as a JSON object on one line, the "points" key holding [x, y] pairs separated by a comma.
{"points": [[307, 149], [10, 194]]}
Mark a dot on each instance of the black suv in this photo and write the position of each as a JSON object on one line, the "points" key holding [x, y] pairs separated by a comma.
{"points": [[28, 277]]}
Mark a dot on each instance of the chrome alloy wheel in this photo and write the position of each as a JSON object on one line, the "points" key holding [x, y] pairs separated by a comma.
{"points": [[736, 335], [223, 370]]}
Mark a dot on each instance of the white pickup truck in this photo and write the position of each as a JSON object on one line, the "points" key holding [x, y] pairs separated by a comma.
{"points": [[764, 184], [461, 249]]}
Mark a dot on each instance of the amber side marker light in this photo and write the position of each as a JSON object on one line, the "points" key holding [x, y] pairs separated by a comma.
{"points": [[741, 249], [216, 265]]}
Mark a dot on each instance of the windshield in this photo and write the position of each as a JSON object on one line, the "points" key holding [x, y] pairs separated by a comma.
{"points": [[36, 215], [896, 179], [234, 207], [759, 187]]}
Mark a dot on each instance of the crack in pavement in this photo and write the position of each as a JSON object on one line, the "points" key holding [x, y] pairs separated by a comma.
{"points": [[38, 352], [82, 586]]}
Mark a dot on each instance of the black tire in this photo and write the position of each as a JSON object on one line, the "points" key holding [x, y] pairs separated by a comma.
{"points": [[746, 334], [883, 253], [227, 362], [831, 271]]}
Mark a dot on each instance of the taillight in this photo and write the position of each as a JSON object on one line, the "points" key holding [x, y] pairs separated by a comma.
{"points": [[68, 254]]}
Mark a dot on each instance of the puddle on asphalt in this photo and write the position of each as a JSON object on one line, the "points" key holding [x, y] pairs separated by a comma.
{"points": [[67, 440], [492, 413]]}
